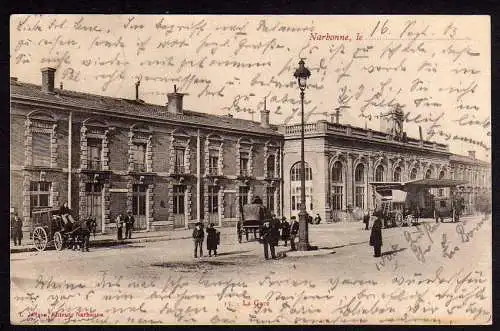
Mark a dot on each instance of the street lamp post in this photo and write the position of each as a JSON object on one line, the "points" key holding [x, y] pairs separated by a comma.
{"points": [[302, 74]]}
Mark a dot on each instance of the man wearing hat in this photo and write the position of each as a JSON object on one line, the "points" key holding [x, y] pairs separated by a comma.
{"points": [[198, 235], [129, 225]]}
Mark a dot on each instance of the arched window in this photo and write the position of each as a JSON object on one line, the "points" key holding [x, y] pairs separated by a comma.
{"points": [[379, 174], [271, 166], [413, 174], [442, 174], [337, 186], [397, 174], [428, 174], [359, 186], [295, 186]]}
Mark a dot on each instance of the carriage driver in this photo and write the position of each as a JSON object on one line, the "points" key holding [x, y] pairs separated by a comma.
{"points": [[65, 213]]}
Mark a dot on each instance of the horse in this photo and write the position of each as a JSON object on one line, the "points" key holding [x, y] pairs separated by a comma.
{"points": [[81, 233]]}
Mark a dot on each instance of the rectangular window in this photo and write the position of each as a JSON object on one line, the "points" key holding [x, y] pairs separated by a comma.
{"points": [[270, 198], [179, 161], [40, 194], [243, 195], [337, 197], [213, 163], [41, 149], [213, 199], [178, 199], [140, 157], [359, 197], [244, 157], [94, 152]]}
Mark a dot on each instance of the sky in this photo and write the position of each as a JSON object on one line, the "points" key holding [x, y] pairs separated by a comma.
{"points": [[436, 69]]}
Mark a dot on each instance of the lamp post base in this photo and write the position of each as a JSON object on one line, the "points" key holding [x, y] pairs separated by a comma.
{"points": [[303, 244]]}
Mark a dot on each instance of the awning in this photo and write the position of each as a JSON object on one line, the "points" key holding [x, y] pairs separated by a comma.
{"points": [[431, 182], [386, 186], [398, 196]]}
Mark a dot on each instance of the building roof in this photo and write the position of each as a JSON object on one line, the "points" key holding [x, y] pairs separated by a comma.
{"points": [[467, 159], [112, 106]]}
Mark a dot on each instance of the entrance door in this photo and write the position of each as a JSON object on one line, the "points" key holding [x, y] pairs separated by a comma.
{"points": [[93, 193], [139, 206], [178, 207]]}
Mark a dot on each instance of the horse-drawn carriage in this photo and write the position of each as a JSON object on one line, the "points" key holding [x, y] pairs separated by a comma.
{"points": [[253, 216], [50, 230]]}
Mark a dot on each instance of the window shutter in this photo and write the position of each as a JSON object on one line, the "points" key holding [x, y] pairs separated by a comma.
{"points": [[41, 149]]}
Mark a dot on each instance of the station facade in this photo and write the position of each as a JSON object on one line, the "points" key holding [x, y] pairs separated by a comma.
{"points": [[172, 167]]}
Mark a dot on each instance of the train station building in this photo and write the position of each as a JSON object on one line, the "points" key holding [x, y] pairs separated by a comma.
{"points": [[172, 167]]}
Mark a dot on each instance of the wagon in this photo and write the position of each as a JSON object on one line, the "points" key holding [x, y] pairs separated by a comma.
{"points": [[49, 230], [252, 217]]}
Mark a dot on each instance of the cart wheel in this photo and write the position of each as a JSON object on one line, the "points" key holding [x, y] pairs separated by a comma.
{"points": [[58, 241], [40, 238], [398, 219]]}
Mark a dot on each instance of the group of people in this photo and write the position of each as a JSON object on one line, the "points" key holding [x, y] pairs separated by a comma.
{"points": [[213, 239], [127, 219]]}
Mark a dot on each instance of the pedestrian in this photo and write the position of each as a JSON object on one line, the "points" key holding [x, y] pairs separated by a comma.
{"points": [[119, 226], [65, 214], [270, 236], [239, 231], [366, 218], [129, 225], [17, 232], [213, 240], [417, 214], [317, 219], [294, 230], [198, 236], [376, 237], [285, 230]]}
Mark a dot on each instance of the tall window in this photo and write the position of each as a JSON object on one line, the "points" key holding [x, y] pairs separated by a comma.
{"points": [[428, 173], [359, 185], [140, 157], [295, 186], [337, 186], [379, 173], [244, 161], [295, 172], [413, 174], [270, 166], [213, 199], [40, 194], [139, 200], [179, 193], [41, 149], [213, 162], [397, 174], [93, 195], [270, 198], [179, 161], [94, 154], [243, 195], [441, 174]]}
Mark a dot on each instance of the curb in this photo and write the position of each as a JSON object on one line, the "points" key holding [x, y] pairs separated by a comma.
{"points": [[105, 243]]}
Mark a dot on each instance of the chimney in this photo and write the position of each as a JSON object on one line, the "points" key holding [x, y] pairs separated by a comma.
{"points": [[137, 84], [174, 104], [472, 154], [48, 79], [264, 116]]}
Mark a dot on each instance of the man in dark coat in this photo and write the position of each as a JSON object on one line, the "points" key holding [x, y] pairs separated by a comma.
{"points": [[239, 231], [294, 231], [17, 230], [366, 219], [270, 237], [285, 231], [376, 237], [129, 225], [213, 239], [198, 236], [119, 226]]}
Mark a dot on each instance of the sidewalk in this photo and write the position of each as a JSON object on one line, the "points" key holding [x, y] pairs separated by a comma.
{"points": [[102, 240]]}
